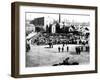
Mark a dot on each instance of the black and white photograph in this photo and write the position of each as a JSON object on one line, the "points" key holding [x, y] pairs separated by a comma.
{"points": [[57, 39], [52, 39]]}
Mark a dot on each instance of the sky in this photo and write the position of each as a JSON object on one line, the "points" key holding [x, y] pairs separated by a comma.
{"points": [[64, 17], [31, 16]]}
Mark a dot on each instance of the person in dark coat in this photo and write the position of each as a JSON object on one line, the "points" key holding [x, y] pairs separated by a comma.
{"points": [[62, 49], [59, 48], [67, 48], [76, 50], [79, 50]]}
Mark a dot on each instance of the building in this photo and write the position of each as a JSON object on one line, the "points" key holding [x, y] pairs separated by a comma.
{"points": [[29, 27], [45, 24]]}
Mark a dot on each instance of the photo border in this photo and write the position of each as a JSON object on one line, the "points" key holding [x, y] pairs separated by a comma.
{"points": [[15, 40]]}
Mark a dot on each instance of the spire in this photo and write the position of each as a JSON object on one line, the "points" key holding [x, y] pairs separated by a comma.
{"points": [[59, 18]]}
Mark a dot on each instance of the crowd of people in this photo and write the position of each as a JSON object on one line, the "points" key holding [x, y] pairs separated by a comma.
{"points": [[61, 38], [78, 49], [46, 38], [62, 49]]}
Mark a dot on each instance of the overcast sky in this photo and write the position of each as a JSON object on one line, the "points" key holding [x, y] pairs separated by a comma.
{"points": [[31, 16], [69, 17]]}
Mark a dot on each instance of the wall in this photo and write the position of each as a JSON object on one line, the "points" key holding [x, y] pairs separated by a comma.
{"points": [[5, 40]]}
